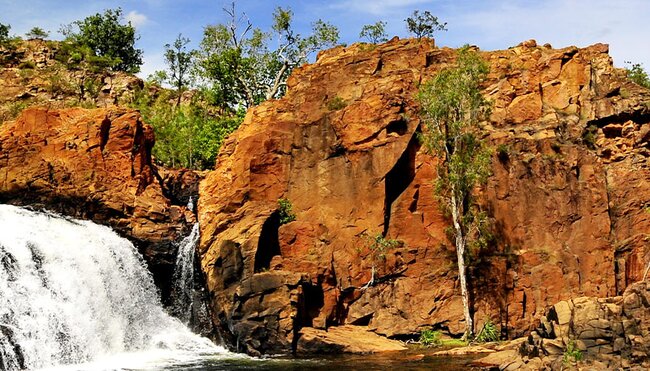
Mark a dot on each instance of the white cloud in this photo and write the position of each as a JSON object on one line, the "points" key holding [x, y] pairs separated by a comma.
{"points": [[137, 19], [376, 7]]}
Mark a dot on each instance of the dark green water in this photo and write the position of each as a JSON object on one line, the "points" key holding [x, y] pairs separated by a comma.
{"points": [[410, 360]]}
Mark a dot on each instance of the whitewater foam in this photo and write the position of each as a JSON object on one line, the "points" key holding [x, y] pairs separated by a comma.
{"points": [[75, 293]]}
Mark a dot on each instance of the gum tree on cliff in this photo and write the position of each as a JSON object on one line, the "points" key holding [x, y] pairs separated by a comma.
{"points": [[241, 66], [452, 108], [108, 38]]}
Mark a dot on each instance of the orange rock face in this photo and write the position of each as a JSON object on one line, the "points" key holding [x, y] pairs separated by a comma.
{"points": [[92, 164], [567, 199]]}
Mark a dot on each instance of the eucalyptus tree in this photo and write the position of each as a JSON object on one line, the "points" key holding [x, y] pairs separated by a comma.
{"points": [[245, 65], [452, 107]]}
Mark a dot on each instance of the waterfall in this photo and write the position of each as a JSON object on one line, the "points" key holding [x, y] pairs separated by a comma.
{"points": [[75, 292], [183, 278]]}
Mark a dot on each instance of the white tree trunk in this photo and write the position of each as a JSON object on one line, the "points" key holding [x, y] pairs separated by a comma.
{"points": [[460, 254]]}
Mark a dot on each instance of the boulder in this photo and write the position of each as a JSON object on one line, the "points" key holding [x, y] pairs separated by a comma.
{"points": [[344, 339]]}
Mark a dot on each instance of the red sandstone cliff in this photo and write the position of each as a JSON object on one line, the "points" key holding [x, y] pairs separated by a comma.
{"points": [[568, 198]]}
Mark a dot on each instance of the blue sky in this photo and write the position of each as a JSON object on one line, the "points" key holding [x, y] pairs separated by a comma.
{"points": [[490, 24]]}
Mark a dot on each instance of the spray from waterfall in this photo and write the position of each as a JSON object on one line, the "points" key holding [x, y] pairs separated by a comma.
{"points": [[73, 292]]}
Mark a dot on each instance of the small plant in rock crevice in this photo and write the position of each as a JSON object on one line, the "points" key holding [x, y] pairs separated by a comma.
{"points": [[379, 246], [572, 353], [285, 211], [488, 333], [336, 103]]}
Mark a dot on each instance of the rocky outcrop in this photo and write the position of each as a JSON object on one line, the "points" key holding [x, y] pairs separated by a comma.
{"points": [[97, 165], [567, 199], [604, 333], [34, 72]]}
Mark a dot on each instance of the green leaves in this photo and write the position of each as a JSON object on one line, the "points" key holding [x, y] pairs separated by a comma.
{"points": [[452, 106], [424, 24], [375, 33], [186, 136], [179, 62], [243, 70], [379, 246], [285, 211], [488, 333], [107, 37], [637, 74], [37, 33]]}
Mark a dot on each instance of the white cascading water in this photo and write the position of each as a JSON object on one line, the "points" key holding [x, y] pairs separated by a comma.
{"points": [[75, 292], [183, 278]]}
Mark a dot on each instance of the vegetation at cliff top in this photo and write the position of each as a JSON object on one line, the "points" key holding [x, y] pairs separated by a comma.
{"points": [[4, 32], [106, 37], [37, 33], [424, 24], [637, 74], [238, 65], [187, 135], [452, 107], [375, 33]]}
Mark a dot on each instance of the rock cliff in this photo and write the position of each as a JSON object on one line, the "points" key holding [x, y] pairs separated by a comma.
{"points": [[97, 165], [567, 199]]}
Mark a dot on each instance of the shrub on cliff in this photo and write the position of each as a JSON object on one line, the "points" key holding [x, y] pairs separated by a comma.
{"points": [[4, 33], [375, 33], [452, 107], [285, 209], [637, 74], [187, 135], [242, 69], [37, 33], [424, 24], [108, 38]]}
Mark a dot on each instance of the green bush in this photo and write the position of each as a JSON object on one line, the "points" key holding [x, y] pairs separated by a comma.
{"points": [[336, 104], [380, 245], [503, 152], [488, 333], [285, 209], [186, 136], [430, 338], [27, 65], [572, 353], [637, 73]]}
